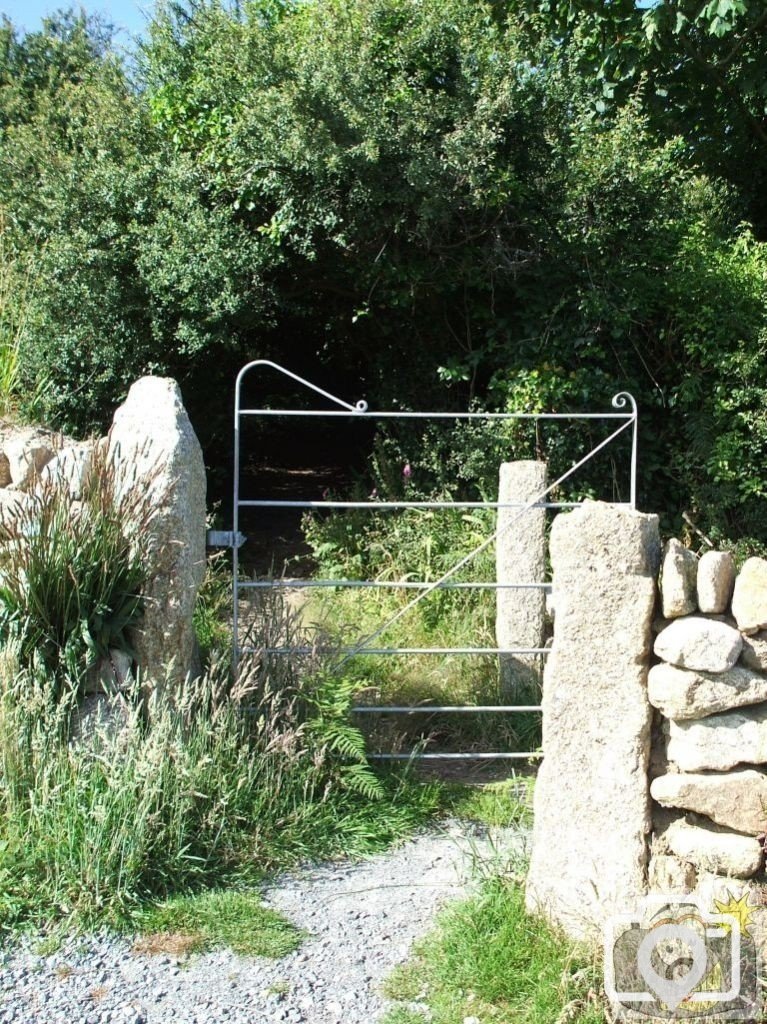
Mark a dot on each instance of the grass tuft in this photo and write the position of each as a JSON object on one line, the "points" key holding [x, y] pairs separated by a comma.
{"points": [[237, 920], [498, 804], [214, 788]]}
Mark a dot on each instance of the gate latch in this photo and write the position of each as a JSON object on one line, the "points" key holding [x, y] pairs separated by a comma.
{"points": [[224, 539]]}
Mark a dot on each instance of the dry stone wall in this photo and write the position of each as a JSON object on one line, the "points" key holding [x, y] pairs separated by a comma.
{"points": [[654, 775], [709, 687]]}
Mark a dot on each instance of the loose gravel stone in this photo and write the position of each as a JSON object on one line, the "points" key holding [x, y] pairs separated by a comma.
{"points": [[361, 919]]}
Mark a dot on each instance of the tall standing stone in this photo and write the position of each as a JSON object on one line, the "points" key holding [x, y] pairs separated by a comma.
{"points": [[154, 448], [520, 558], [592, 803]]}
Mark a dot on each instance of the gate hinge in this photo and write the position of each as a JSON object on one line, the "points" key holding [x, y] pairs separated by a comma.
{"points": [[224, 539]]}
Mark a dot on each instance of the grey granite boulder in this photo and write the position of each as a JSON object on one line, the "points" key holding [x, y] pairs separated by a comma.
{"points": [[704, 645], [737, 800], [716, 577], [154, 449], [724, 853], [680, 693], [749, 599], [719, 741]]}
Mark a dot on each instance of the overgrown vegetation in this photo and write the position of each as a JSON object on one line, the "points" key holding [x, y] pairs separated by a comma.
{"points": [[456, 201], [496, 804], [417, 545], [216, 788]]}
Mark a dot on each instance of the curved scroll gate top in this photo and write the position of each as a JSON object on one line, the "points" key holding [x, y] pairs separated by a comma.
{"points": [[625, 411]]}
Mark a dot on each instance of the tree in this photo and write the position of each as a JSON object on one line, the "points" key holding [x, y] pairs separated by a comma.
{"points": [[699, 65]]}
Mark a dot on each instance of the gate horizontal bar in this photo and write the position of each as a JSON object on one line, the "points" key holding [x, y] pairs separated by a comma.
{"points": [[459, 708], [386, 505], [456, 757], [366, 414], [351, 651], [386, 585]]}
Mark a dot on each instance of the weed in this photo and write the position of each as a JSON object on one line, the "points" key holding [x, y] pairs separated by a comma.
{"points": [[175, 944], [279, 988], [49, 945]]}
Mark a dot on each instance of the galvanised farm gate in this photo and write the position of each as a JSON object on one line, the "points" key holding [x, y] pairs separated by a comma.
{"points": [[624, 415]]}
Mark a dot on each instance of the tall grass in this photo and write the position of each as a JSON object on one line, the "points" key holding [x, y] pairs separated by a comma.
{"points": [[421, 545], [71, 572], [214, 788]]}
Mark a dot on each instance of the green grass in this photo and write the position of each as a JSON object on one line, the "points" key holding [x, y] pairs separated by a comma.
{"points": [[497, 804], [443, 619], [488, 959], [231, 918], [213, 608]]}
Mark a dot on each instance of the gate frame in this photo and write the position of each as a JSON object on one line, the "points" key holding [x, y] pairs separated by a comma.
{"points": [[620, 401]]}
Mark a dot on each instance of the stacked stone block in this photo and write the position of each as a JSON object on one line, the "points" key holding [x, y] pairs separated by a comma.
{"points": [[709, 689]]}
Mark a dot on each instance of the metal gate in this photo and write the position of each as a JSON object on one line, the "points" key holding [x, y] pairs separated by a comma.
{"points": [[624, 412]]}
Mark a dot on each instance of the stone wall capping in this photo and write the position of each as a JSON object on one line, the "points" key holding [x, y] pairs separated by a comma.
{"points": [[679, 572], [716, 578], [749, 598]]}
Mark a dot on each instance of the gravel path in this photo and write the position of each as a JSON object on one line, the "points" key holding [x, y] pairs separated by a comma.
{"points": [[362, 919]]}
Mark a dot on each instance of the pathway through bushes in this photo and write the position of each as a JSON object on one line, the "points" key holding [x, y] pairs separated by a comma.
{"points": [[361, 919]]}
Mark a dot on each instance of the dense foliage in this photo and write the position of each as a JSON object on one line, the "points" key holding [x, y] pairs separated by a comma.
{"points": [[510, 203]]}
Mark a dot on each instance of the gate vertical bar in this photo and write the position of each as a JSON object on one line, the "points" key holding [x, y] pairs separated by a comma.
{"points": [[620, 401], [236, 526]]}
